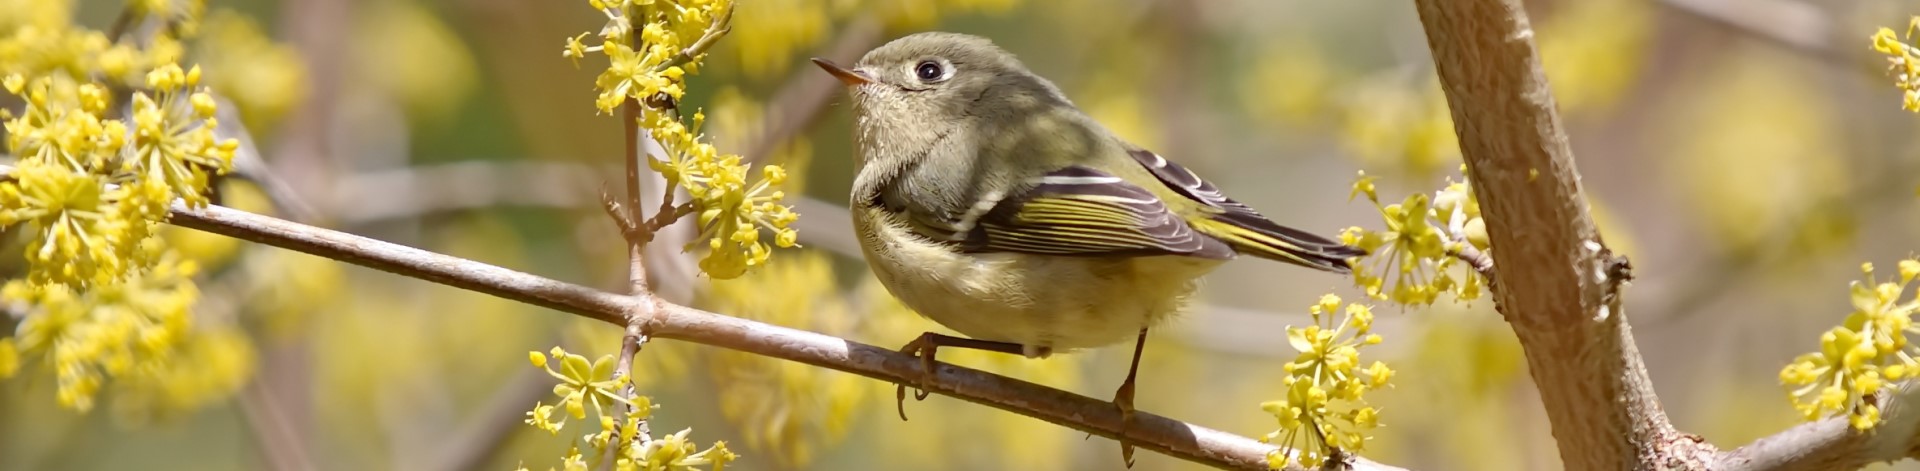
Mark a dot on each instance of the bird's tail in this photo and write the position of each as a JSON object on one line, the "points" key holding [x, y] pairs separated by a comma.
{"points": [[1256, 236]]}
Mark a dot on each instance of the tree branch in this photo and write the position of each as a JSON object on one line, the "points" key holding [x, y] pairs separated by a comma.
{"points": [[1830, 444], [407, 261], [1797, 26], [415, 191], [1554, 285], [1168, 436]]}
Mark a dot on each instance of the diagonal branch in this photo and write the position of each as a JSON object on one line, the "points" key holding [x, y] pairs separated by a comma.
{"points": [[1796, 26], [1831, 444], [1165, 435], [1555, 285]]}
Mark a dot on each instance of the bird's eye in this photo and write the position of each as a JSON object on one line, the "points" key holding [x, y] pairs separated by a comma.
{"points": [[929, 71]]}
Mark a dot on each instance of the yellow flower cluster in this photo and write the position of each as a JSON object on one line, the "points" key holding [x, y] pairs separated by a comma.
{"points": [[784, 409], [654, 63], [1858, 359], [210, 364], [1420, 245], [91, 180], [732, 212], [583, 383], [672, 41], [1903, 61], [135, 326], [669, 453], [91, 187], [1326, 411]]}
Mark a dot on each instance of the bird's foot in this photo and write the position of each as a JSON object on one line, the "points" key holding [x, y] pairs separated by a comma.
{"points": [[922, 348], [1123, 400]]}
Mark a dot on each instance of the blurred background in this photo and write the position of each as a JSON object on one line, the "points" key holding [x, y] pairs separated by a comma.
{"points": [[1747, 156]]}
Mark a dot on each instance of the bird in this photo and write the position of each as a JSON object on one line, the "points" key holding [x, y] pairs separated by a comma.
{"points": [[987, 202]]}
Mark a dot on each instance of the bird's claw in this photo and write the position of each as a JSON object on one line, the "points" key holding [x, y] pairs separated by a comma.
{"points": [[1123, 400], [922, 348]]}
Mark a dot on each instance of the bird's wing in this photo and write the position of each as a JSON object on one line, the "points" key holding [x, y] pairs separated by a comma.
{"points": [[1242, 227], [1079, 210]]}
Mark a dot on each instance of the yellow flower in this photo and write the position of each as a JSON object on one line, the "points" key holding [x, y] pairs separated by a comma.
{"points": [[1325, 409], [582, 383], [127, 327], [629, 74], [80, 238], [731, 212], [541, 416], [104, 303], [61, 123], [1419, 245], [1903, 61], [1859, 357], [654, 65], [203, 365], [173, 140], [676, 452]]}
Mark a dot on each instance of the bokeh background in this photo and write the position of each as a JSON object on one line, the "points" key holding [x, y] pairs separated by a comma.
{"points": [[1748, 156]]}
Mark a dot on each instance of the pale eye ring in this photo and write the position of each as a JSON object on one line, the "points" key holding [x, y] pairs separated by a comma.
{"points": [[929, 71]]}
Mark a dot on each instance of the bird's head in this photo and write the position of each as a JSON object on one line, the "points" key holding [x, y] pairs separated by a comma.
{"points": [[910, 93]]}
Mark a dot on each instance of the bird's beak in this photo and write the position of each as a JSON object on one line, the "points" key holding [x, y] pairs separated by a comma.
{"points": [[849, 77]]}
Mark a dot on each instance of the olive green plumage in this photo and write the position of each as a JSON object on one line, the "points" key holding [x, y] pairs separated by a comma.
{"points": [[986, 201]]}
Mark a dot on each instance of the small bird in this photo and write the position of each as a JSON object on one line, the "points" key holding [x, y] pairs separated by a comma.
{"points": [[986, 201]]}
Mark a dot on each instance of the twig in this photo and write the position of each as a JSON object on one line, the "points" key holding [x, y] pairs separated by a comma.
{"points": [[1480, 262], [1797, 26], [666, 217], [636, 247], [250, 166], [123, 23], [278, 442], [715, 30], [1554, 291], [630, 344], [622, 218], [630, 341], [1097, 416]]}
